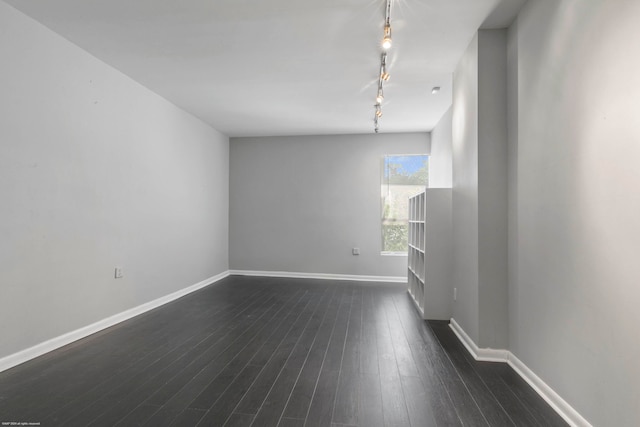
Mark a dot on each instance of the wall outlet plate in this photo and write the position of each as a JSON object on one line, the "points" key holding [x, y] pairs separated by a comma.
{"points": [[118, 273], [355, 251]]}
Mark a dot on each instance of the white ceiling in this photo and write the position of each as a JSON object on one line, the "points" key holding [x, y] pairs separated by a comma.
{"points": [[281, 67]]}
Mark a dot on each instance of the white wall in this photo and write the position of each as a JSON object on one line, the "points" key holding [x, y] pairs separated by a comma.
{"points": [[574, 314], [300, 204], [440, 161], [96, 172]]}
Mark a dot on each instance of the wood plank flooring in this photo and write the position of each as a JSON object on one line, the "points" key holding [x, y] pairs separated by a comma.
{"points": [[252, 351]]}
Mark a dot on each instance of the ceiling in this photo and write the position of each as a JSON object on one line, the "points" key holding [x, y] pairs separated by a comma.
{"points": [[282, 67]]}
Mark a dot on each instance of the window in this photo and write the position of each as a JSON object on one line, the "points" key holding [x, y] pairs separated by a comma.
{"points": [[402, 177]]}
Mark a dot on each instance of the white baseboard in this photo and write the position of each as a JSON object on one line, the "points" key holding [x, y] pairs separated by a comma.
{"points": [[324, 276], [480, 354], [62, 340], [554, 400]]}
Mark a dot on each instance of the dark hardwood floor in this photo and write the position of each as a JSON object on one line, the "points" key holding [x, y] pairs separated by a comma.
{"points": [[251, 351]]}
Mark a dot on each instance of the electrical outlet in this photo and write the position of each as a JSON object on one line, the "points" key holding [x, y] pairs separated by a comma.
{"points": [[118, 273], [355, 251], [455, 294]]}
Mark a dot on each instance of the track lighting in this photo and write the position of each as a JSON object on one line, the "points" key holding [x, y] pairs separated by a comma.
{"points": [[384, 74]]}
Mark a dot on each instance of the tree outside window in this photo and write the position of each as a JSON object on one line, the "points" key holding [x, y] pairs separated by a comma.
{"points": [[402, 177]]}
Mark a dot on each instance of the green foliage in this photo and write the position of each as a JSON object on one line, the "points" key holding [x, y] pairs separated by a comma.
{"points": [[403, 176], [395, 237]]}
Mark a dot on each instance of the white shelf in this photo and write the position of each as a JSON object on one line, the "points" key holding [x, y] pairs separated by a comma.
{"points": [[416, 264], [429, 254], [416, 248]]}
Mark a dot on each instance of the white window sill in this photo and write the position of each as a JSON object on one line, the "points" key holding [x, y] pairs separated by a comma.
{"points": [[394, 254]]}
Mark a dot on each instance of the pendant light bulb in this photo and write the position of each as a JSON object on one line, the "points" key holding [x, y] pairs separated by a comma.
{"points": [[380, 97], [386, 40]]}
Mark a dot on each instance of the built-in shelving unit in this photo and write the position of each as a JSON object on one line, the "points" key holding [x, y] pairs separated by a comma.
{"points": [[430, 253], [416, 261]]}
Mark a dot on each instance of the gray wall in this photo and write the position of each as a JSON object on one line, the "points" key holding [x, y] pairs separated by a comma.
{"points": [[300, 204], [480, 190], [512, 171], [492, 188], [439, 256], [465, 191], [440, 162], [96, 172], [575, 297]]}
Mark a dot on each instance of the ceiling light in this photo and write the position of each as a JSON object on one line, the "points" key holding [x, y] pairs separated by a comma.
{"points": [[435, 90], [380, 96], [386, 40]]}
